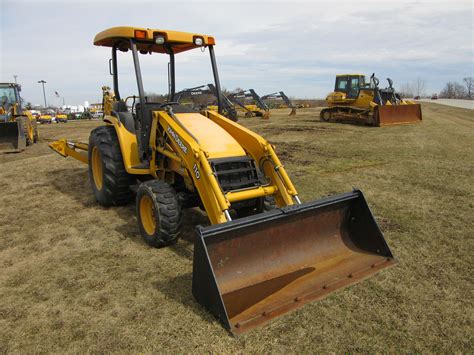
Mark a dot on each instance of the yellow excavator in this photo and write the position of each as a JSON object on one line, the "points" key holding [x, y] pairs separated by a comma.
{"points": [[257, 108], [18, 127], [265, 253], [356, 101]]}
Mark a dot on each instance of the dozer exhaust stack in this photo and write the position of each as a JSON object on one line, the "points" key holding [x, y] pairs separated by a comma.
{"points": [[389, 115], [12, 137], [249, 271]]}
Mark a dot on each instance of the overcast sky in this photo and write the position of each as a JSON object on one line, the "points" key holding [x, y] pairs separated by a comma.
{"points": [[297, 47]]}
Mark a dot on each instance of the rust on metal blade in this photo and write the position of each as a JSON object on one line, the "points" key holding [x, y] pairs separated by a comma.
{"points": [[271, 267], [398, 114]]}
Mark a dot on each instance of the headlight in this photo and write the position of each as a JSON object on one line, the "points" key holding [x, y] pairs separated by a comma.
{"points": [[160, 40], [198, 41]]}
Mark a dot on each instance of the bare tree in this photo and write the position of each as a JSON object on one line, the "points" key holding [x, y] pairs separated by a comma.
{"points": [[406, 90], [453, 90], [448, 91], [419, 86], [469, 82], [459, 91]]}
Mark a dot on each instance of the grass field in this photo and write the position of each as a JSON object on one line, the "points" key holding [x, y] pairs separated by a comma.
{"points": [[77, 277]]}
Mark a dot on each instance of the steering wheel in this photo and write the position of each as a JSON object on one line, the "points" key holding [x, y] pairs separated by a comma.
{"points": [[170, 103]]}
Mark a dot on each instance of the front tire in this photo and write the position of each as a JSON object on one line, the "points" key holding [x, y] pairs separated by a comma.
{"points": [[158, 213], [109, 180]]}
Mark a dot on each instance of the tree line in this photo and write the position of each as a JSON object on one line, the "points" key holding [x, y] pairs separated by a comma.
{"points": [[451, 90]]}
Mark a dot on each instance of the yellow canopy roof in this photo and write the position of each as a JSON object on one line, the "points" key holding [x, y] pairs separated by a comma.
{"points": [[350, 74], [180, 41]]}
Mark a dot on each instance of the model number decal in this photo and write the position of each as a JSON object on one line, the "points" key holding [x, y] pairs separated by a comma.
{"points": [[196, 171], [177, 140]]}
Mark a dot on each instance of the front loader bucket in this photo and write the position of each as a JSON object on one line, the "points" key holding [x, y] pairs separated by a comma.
{"points": [[249, 271], [389, 115], [12, 137]]}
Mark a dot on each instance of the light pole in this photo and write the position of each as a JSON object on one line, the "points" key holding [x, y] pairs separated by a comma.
{"points": [[44, 95]]}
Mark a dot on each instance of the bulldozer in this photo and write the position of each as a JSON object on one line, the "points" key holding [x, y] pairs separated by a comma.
{"points": [[355, 101], [18, 127], [281, 95], [265, 252], [258, 108]]}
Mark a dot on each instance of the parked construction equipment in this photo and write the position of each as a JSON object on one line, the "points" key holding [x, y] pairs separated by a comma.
{"points": [[18, 127], [257, 108], [281, 95], [45, 118], [248, 270], [356, 101], [228, 109], [61, 117]]}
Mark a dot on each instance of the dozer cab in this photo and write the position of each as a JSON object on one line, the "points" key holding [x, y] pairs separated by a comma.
{"points": [[256, 108], [281, 95], [265, 252], [18, 128], [355, 101]]}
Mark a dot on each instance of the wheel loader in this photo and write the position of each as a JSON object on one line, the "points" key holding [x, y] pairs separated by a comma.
{"points": [[281, 95], [18, 128], [355, 101], [265, 253]]}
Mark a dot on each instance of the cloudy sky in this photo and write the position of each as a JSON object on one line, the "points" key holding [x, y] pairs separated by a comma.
{"points": [[293, 46]]}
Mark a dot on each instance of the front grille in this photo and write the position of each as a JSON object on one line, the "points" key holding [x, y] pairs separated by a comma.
{"points": [[235, 173]]}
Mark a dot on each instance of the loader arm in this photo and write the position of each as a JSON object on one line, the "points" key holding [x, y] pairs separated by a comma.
{"points": [[194, 158], [264, 154]]}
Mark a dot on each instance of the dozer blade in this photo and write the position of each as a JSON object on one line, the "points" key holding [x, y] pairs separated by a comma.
{"points": [[249, 271], [12, 137], [397, 114]]}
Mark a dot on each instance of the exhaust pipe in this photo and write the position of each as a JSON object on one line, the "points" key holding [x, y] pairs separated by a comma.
{"points": [[248, 271]]}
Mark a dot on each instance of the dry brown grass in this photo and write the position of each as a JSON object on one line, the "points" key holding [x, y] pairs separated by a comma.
{"points": [[77, 277]]}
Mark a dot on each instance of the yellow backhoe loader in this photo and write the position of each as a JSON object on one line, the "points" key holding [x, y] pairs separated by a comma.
{"points": [[355, 101], [265, 252], [18, 128]]}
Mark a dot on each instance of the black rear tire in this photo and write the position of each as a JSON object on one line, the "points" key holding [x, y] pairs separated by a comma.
{"points": [[111, 183], [158, 213]]}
